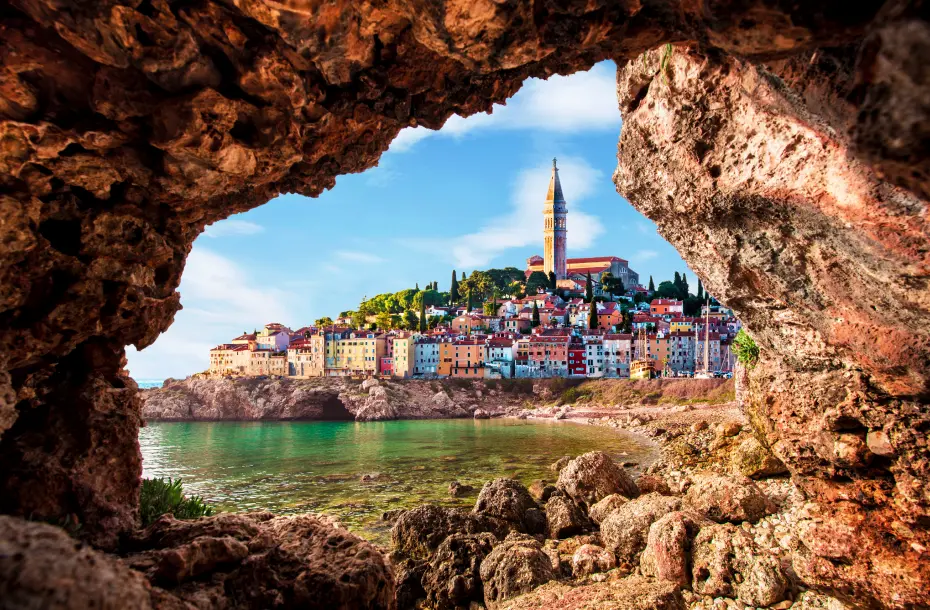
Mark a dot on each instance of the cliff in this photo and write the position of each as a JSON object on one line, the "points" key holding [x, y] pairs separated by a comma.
{"points": [[373, 400]]}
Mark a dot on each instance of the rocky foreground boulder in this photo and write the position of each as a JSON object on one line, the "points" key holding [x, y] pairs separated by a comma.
{"points": [[626, 529], [515, 566], [733, 498], [593, 476], [420, 531], [452, 577], [508, 500]]}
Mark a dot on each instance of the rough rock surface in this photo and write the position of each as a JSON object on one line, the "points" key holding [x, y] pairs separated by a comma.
{"points": [[733, 498], [599, 511], [592, 477], [508, 500], [668, 546], [726, 562], [515, 566], [751, 173], [564, 518], [419, 531], [452, 578], [626, 529], [590, 559], [128, 127], [258, 560], [632, 593], [41, 567], [753, 460]]}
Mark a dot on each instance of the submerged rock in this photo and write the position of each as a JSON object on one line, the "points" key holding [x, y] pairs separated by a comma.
{"points": [[515, 566], [625, 530], [508, 500], [727, 562], [457, 490], [452, 578], [732, 498], [594, 476]]}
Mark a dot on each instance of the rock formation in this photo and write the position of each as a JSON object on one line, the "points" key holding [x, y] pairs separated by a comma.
{"points": [[796, 190], [750, 172]]}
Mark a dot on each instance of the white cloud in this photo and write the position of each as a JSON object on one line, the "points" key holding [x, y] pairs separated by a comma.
{"points": [[584, 101], [641, 256], [359, 257], [230, 226], [523, 225], [220, 301]]}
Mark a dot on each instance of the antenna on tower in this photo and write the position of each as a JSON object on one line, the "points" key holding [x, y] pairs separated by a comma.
{"points": [[553, 163]]}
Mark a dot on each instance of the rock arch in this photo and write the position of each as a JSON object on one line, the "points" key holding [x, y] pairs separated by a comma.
{"points": [[126, 127]]}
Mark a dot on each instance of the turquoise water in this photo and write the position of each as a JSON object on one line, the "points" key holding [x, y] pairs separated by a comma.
{"points": [[294, 467]]}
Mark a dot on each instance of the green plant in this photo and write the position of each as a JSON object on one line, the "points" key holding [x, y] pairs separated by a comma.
{"points": [[747, 352], [160, 497]]}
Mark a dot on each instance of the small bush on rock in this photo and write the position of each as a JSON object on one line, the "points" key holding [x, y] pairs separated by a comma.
{"points": [[160, 497]]}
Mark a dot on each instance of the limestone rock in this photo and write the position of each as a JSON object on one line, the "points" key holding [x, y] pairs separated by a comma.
{"points": [[726, 562], [753, 460], [631, 593], [481, 414], [408, 585], [590, 559], [515, 566], [728, 429], [733, 498], [668, 547], [564, 517], [625, 530], [648, 483], [541, 490], [420, 531], [452, 578], [594, 476], [42, 567], [508, 500], [560, 463], [457, 490], [599, 511]]}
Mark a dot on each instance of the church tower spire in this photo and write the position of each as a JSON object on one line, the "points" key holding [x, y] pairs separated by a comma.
{"points": [[554, 232]]}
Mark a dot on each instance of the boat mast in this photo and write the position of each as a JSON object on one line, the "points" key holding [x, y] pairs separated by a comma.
{"points": [[706, 334]]}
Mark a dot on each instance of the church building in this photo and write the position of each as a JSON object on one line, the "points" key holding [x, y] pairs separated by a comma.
{"points": [[555, 232]]}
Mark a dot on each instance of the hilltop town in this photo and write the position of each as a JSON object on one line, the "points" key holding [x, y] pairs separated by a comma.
{"points": [[560, 317]]}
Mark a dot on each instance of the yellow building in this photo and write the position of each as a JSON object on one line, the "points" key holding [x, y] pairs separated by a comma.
{"points": [[403, 356], [357, 354], [680, 325]]}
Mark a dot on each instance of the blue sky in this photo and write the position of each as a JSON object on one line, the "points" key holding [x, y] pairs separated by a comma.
{"points": [[468, 196]]}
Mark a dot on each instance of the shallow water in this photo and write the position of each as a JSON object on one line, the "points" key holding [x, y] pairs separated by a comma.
{"points": [[296, 467]]}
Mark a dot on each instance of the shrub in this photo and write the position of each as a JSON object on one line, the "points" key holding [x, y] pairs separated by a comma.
{"points": [[461, 383], [574, 394], [747, 352], [517, 386], [160, 497]]}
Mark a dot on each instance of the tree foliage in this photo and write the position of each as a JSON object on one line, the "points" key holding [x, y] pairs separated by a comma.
{"points": [[535, 321], [652, 285], [480, 284], [324, 321], [588, 288], [454, 290], [592, 314], [536, 281], [552, 280]]}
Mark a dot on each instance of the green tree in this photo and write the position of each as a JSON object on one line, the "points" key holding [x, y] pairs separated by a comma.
{"points": [[691, 306], [685, 291], [454, 290], [422, 315], [383, 320], [612, 285], [515, 289], [700, 292], [463, 276], [667, 290], [535, 321], [652, 285], [592, 314], [536, 280], [417, 287], [397, 320], [506, 276], [552, 280], [480, 284], [324, 321], [588, 289], [490, 308], [410, 320]]}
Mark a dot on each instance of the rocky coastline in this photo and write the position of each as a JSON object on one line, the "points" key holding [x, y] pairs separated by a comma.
{"points": [[253, 399]]}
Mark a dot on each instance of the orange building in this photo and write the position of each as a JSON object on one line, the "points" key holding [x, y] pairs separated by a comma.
{"points": [[666, 307]]}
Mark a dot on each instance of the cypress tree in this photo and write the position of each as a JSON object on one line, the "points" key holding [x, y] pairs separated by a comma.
{"points": [[468, 308], [535, 321], [684, 287], [417, 287], [677, 283], [454, 290], [588, 289], [592, 314], [700, 292], [463, 276], [552, 280], [652, 285], [422, 315]]}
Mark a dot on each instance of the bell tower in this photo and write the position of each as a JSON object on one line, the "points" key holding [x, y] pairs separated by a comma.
{"points": [[554, 231]]}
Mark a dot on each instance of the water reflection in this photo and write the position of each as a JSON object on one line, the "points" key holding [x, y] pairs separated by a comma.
{"points": [[355, 470]]}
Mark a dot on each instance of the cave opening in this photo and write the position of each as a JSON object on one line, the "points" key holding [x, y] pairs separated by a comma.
{"points": [[805, 211]]}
